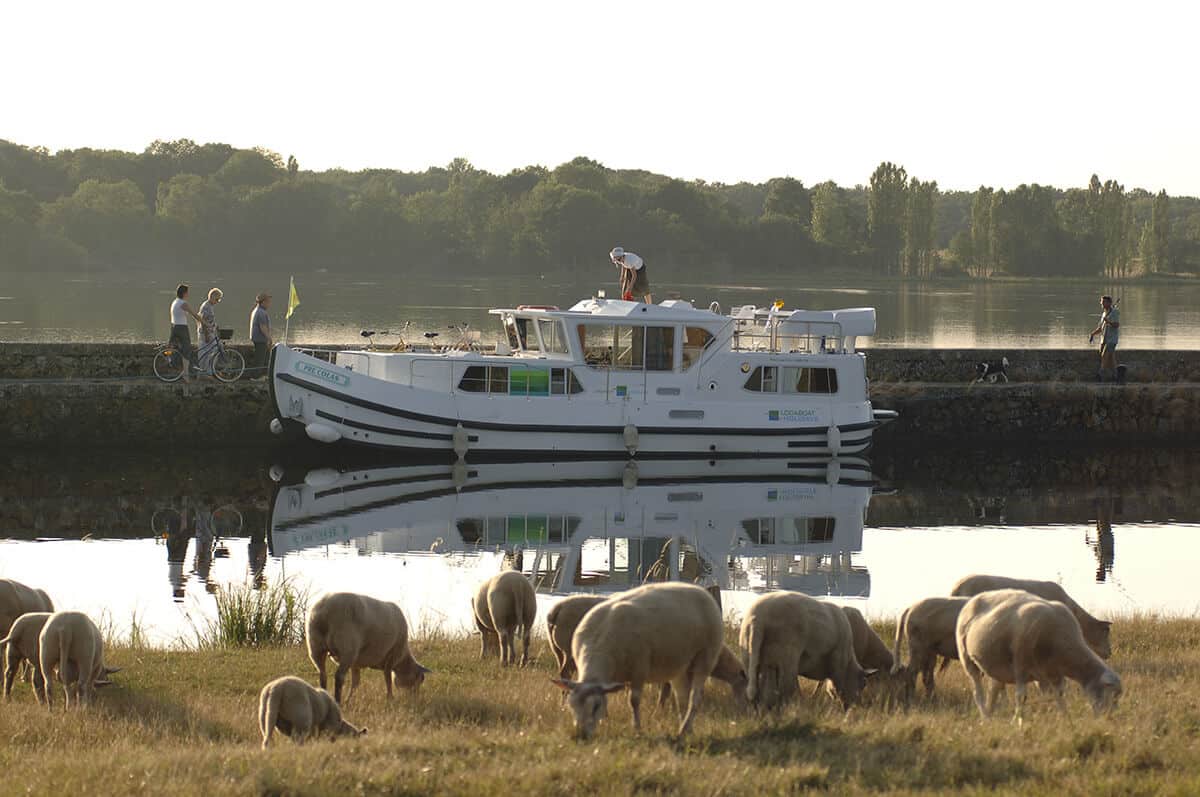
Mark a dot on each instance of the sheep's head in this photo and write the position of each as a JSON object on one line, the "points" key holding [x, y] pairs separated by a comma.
{"points": [[1104, 692], [1098, 638], [851, 688], [588, 701], [410, 674]]}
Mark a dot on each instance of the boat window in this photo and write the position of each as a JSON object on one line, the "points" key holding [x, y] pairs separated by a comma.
{"points": [[529, 382], [660, 348], [770, 379], [523, 334], [630, 347], [474, 379], [695, 341], [510, 331], [497, 380], [554, 336], [815, 529], [597, 342]]}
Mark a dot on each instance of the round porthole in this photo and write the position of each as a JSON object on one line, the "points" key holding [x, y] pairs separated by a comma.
{"points": [[712, 385]]}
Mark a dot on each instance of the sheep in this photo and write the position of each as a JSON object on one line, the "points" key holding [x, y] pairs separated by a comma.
{"points": [[728, 669], [358, 631], [1013, 636], [17, 599], [930, 626], [20, 646], [1096, 632], [299, 710], [650, 634], [71, 644], [871, 651], [561, 622], [501, 605], [788, 635]]}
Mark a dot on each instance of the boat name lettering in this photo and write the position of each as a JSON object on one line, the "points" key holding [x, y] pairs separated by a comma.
{"points": [[794, 415], [320, 535], [792, 494], [323, 373]]}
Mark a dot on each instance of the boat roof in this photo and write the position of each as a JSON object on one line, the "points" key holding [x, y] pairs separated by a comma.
{"points": [[667, 310]]}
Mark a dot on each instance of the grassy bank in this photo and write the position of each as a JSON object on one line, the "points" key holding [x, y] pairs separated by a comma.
{"points": [[185, 723]]}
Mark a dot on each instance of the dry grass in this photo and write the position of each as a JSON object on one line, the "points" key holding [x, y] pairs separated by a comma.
{"points": [[184, 723]]}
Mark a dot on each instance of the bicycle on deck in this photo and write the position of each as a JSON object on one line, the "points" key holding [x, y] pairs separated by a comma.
{"points": [[226, 364]]}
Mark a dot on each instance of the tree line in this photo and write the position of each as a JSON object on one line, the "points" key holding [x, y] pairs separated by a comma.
{"points": [[179, 204]]}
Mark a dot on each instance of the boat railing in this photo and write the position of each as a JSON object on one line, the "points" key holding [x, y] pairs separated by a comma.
{"points": [[780, 336], [326, 353]]}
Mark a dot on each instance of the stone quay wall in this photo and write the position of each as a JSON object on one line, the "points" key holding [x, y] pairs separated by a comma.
{"points": [[949, 366]]}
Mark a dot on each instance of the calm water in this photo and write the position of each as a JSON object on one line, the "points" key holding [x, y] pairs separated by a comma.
{"points": [[132, 307], [120, 537]]}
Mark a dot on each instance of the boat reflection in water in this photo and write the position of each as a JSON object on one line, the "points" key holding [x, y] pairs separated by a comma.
{"points": [[602, 527]]}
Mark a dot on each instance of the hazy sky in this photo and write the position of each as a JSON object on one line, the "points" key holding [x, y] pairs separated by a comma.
{"points": [[966, 93]]}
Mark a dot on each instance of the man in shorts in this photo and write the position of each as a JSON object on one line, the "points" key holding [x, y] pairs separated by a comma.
{"points": [[635, 281], [1109, 330]]}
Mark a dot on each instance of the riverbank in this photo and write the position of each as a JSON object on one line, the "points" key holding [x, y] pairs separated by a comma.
{"points": [[185, 722], [25, 361], [147, 414]]}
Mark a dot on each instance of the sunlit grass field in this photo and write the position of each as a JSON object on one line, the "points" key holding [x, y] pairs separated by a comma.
{"points": [[185, 723]]}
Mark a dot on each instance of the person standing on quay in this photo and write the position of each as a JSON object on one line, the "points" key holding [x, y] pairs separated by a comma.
{"points": [[260, 330], [634, 279], [180, 310], [1109, 330]]}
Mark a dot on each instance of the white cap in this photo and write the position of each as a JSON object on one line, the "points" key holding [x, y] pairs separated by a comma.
{"points": [[616, 252]]}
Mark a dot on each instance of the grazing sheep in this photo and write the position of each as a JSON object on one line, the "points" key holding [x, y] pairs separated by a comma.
{"points": [[651, 634], [789, 635], [501, 605], [20, 646], [1013, 637], [299, 710], [871, 651], [357, 632], [1096, 632], [71, 644], [930, 627], [17, 599], [561, 622]]}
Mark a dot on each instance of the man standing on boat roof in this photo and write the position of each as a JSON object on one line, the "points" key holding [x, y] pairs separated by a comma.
{"points": [[634, 279]]}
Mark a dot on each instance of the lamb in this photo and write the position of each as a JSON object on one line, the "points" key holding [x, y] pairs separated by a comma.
{"points": [[1096, 632], [17, 599], [358, 631], [650, 634], [561, 622], [930, 627], [297, 709], [501, 605], [1013, 636], [71, 644], [789, 635]]}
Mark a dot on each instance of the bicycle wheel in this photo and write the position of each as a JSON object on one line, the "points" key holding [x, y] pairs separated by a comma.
{"points": [[168, 365], [228, 365]]}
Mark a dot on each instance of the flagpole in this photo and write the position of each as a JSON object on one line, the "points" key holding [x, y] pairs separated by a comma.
{"points": [[288, 318]]}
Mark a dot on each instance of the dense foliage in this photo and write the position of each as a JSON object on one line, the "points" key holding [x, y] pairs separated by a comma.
{"points": [[181, 204]]}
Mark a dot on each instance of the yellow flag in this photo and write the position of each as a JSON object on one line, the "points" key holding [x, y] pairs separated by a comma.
{"points": [[293, 299]]}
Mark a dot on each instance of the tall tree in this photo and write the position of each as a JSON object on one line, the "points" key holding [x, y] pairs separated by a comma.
{"points": [[886, 203], [918, 249], [1159, 233], [983, 253], [831, 221]]}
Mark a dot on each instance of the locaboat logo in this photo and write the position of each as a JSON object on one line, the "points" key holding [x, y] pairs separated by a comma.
{"points": [[323, 373], [793, 416]]}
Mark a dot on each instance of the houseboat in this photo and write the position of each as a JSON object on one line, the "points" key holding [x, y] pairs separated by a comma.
{"points": [[603, 378]]}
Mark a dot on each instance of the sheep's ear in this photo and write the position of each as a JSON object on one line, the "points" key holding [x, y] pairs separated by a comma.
{"points": [[99, 684], [362, 732], [423, 669], [1106, 623], [111, 670], [869, 673], [564, 684], [612, 686]]}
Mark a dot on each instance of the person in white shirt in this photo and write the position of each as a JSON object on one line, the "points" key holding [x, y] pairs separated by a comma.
{"points": [[635, 281], [180, 310]]}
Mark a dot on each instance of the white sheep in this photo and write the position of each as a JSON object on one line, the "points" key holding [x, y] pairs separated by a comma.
{"points": [[299, 710], [930, 626], [21, 646], [1013, 637], [17, 599], [358, 631], [502, 604], [71, 644], [788, 635], [656, 633], [561, 621], [1096, 632]]}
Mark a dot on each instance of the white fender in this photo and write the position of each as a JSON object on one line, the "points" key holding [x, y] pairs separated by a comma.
{"points": [[460, 441], [833, 439], [321, 477], [276, 426], [458, 474], [833, 472], [630, 436], [322, 433], [629, 476]]}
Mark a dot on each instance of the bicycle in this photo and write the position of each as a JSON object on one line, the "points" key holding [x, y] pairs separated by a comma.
{"points": [[468, 339], [227, 365], [400, 345]]}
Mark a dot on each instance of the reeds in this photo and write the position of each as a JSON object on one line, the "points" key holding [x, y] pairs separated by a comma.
{"points": [[272, 616]]}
